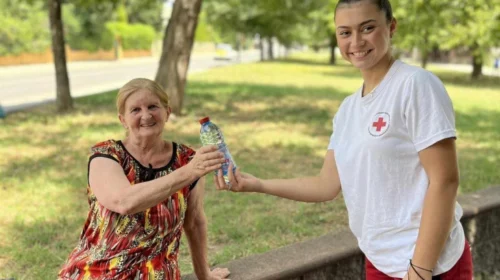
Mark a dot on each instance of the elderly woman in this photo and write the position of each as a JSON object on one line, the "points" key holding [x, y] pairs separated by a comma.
{"points": [[143, 191]]}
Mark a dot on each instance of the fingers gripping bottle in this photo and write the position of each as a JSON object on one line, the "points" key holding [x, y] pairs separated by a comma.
{"points": [[210, 134]]}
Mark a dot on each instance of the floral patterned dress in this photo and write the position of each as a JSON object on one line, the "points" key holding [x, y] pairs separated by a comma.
{"points": [[138, 246]]}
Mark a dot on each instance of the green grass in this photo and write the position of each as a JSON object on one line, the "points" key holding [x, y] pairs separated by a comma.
{"points": [[276, 117]]}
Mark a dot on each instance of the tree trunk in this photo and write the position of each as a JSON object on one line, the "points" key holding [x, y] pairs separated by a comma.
{"points": [[261, 47], [177, 46], [425, 58], [477, 66], [64, 101], [333, 45], [239, 45], [270, 53], [425, 50]]}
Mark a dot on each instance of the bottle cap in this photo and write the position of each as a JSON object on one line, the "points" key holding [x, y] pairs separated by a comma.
{"points": [[204, 120]]}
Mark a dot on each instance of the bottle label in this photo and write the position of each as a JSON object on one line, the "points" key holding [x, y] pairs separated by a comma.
{"points": [[210, 134], [225, 166]]}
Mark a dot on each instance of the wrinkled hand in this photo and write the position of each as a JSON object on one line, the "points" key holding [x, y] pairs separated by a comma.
{"points": [[219, 274], [206, 160], [238, 181]]}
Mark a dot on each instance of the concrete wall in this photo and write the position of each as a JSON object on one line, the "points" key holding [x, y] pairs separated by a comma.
{"points": [[337, 256]]}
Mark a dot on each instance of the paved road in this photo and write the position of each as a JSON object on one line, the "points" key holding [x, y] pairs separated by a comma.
{"points": [[27, 85]]}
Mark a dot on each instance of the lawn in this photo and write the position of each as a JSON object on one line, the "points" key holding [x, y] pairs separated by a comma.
{"points": [[276, 117]]}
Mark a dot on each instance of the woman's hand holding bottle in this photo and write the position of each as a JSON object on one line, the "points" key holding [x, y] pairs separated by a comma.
{"points": [[238, 181], [207, 159]]}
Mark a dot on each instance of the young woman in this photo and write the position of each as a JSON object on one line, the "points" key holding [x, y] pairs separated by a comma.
{"points": [[392, 153]]}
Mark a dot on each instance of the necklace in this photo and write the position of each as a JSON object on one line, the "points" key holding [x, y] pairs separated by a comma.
{"points": [[373, 90]]}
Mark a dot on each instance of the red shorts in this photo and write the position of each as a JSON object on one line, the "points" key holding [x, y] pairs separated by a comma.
{"points": [[463, 269]]}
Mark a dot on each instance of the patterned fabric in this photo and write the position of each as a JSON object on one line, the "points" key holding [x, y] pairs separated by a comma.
{"points": [[139, 246]]}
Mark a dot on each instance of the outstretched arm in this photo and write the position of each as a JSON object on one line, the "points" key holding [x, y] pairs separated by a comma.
{"points": [[323, 187], [113, 190]]}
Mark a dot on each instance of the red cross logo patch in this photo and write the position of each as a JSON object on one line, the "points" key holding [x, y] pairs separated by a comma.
{"points": [[379, 124]]}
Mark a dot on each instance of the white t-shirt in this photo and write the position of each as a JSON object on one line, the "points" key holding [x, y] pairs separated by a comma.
{"points": [[376, 140]]}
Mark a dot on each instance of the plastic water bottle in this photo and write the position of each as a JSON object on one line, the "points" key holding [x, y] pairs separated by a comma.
{"points": [[210, 134]]}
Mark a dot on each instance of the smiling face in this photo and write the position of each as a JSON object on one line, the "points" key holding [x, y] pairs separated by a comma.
{"points": [[363, 34], [144, 115]]}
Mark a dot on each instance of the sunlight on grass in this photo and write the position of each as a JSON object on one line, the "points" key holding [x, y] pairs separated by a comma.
{"points": [[253, 107], [277, 120]]}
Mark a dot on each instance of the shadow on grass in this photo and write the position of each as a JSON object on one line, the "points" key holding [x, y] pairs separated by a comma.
{"points": [[44, 113], [348, 72], [479, 157], [291, 105], [478, 168], [464, 80], [285, 104], [482, 123], [446, 76], [38, 249], [310, 62], [232, 103], [27, 169], [99, 102]]}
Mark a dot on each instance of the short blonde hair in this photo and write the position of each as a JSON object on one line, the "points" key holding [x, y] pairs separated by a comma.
{"points": [[134, 86]]}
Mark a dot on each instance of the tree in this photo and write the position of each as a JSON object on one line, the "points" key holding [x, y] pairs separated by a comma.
{"points": [[177, 45], [91, 32], [64, 101], [277, 19], [419, 21], [333, 46], [204, 31], [443, 24], [475, 25], [320, 29], [92, 16], [147, 12], [281, 19], [228, 19], [24, 27]]}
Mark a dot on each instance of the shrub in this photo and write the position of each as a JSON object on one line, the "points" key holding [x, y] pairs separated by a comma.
{"points": [[131, 36]]}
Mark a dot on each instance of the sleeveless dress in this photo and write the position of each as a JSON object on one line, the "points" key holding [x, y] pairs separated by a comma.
{"points": [[138, 246]]}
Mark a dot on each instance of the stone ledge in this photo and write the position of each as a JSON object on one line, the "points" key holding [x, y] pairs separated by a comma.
{"points": [[480, 201], [292, 260], [337, 256]]}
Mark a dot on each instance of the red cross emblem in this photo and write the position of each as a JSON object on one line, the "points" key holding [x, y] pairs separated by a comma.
{"points": [[379, 124]]}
